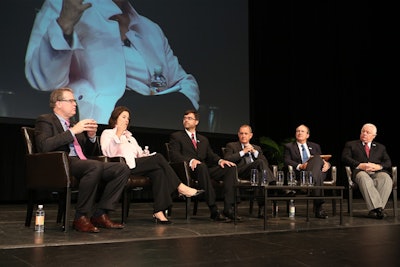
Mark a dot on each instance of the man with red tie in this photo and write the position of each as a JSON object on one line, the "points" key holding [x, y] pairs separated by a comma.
{"points": [[53, 132], [370, 164], [188, 145]]}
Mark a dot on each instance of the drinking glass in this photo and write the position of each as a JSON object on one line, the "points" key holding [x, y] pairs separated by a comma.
{"points": [[254, 177], [291, 177], [280, 178], [310, 179], [264, 177], [303, 178]]}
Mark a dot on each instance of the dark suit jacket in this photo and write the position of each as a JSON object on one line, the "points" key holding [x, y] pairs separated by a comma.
{"points": [[292, 155], [353, 154], [50, 136], [232, 153], [232, 150], [182, 149]]}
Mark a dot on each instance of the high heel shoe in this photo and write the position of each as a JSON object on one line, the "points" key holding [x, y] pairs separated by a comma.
{"points": [[158, 221], [198, 192]]}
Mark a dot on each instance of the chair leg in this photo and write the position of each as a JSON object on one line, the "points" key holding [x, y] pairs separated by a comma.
{"points": [[195, 205], [67, 209], [29, 208], [350, 202], [125, 205], [188, 208], [395, 202]]}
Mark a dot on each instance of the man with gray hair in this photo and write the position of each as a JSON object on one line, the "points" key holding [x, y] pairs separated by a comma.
{"points": [[370, 164]]}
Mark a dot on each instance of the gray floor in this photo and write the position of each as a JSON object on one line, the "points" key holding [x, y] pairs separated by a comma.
{"points": [[359, 241]]}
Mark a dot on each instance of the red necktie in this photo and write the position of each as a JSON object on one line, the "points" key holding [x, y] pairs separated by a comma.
{"points": [[366, 147], [194, 141], [77, 146]]}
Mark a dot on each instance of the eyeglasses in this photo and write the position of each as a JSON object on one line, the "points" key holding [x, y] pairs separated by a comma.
{"points": [[189, 118], [72, 101]]}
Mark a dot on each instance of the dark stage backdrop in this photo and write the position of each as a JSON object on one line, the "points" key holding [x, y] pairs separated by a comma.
{"points": [[210, 39], [327, 64]]}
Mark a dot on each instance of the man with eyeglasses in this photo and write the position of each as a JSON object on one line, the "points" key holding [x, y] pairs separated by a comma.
{"points": [[370, 164], [194, 148], [55, 132]]}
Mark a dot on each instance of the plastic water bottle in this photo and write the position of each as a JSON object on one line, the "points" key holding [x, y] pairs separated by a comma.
{"points": [[146, 151], [39, 221], [158, 83], [292, 209]]}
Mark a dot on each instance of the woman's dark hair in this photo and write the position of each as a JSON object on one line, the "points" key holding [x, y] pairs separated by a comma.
{"points": [[115, 114]]}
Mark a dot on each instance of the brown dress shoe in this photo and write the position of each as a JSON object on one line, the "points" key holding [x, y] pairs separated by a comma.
{"points": [[104, 221], [83, 224]]}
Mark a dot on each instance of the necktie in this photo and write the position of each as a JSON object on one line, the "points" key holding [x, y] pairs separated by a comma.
{"points": [[194, 141], [77, 146], [366, 147], [304, 153]]}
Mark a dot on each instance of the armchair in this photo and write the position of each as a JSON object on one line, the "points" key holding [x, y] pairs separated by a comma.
{"points": [[47, 172], [353, 186]]}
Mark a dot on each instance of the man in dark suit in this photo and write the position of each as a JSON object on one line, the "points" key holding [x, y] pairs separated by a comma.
{"points": [[303, 155], [194, 148], [248, 156], [370, 164], [53, 132]]}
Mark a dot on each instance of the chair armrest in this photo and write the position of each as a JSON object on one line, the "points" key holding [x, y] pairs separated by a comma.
{"points": [[394, 177], [47, 170], [348, 174], [333, 179]]}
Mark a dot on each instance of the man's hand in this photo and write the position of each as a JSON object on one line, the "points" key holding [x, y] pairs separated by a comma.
{"points": [[88, 125], [70, 14], [223, 162]]}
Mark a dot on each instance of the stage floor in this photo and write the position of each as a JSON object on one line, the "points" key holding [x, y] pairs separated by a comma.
{"points": [[360, 241]]}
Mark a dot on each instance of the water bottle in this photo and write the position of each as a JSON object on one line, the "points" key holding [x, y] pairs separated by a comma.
{"points": [[39, 221], [158, 83], [292, 209], [146, 151]]}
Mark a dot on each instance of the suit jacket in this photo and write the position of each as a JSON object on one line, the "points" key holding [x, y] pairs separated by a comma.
{"points": [[354, 153], [50, 136], [292, 156], [232, 154], [182, 149]]}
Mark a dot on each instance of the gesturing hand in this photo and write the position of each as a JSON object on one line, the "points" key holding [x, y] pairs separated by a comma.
{"points": [[70, 14]]}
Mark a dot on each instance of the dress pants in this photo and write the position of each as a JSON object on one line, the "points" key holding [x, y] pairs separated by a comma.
{"points": [[163, 179], [375, 188], [90, 174], [227, 174]]}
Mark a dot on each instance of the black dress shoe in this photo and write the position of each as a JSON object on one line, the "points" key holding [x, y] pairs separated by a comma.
{"points": [[217, 216], [377, 213], [321, 214], [229, 214]]}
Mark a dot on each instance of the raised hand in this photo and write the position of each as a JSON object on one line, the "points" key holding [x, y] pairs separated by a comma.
{"points": [[70, 14]]}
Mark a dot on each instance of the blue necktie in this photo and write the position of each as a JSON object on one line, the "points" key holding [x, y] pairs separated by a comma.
{"points": [[304, 152]]}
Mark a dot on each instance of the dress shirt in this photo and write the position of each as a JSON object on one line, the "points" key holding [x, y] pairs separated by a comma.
{"points": [[125, 146], [101, 65]]}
